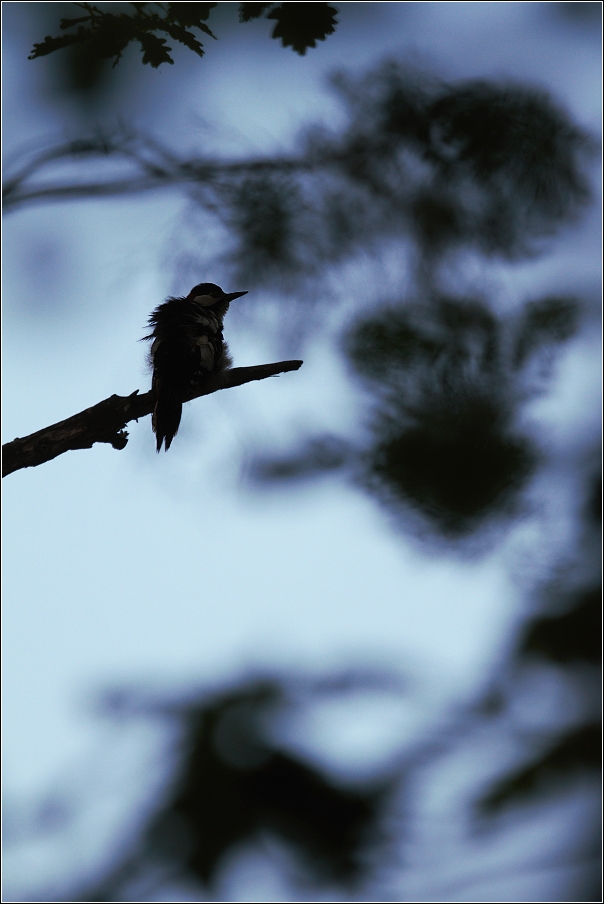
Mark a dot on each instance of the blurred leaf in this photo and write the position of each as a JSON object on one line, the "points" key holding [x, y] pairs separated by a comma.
{"points": [[443, 440], [510, 133], [232, 783], [457, 466], [83, 73], [436, 219], [261, 212], [547, 320], [320, 455], [575, 754], [389, 341], [574, 635], [518, 147], [301, 25]]}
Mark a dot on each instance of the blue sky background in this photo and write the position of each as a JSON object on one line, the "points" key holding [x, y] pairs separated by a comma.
{"points": [[168, 571]]}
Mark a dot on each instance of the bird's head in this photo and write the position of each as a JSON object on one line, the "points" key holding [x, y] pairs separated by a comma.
{"points": [[208, 294]]}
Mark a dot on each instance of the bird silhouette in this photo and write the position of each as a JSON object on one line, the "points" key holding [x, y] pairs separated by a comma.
{"points": [[188, 346]]}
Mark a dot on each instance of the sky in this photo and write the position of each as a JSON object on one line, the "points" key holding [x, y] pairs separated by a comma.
{"points": [[128, 568]]}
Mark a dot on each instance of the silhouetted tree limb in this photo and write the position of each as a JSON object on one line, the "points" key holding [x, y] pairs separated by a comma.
{"points": [[157, 168], [105, 422]]}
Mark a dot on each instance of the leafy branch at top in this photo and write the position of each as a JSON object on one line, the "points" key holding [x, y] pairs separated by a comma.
{"points": [[107, 34]]}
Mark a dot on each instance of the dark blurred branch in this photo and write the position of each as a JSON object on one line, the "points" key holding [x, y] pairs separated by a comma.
{"points": [[157, 168], [578, 752], [416, 161], [105, 422]]}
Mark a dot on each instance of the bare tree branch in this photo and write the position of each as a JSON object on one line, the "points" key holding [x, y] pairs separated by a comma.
{"points": [[105, 422]]}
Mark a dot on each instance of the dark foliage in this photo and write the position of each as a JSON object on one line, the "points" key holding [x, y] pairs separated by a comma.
{"points": [[571, 636], [248, 11], [549, 320], [513, 144], [446, 334], [577, 753], [446, 381], [443, 437], [418, 160], [321, 454], [232, 785], [260, 211], [457, 466], [301, 25], [503, 161], [105, 35]]}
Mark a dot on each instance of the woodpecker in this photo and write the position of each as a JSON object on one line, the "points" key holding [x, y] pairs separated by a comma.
{"points": [[187, 347]]}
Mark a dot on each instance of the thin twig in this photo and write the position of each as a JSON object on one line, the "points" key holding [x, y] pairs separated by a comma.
{"points": [[105, 422]]}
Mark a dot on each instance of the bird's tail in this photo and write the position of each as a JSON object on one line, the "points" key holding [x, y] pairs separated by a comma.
{"points": [[166, 418]]}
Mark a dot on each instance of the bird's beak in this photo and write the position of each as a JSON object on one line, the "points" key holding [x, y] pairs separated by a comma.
{"points": [[233, 296]]}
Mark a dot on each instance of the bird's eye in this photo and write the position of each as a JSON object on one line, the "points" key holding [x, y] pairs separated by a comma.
{"points": [[215, 294]]}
